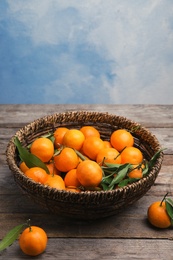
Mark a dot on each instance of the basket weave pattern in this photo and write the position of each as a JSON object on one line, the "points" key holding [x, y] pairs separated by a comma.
{"points": [[87, 204]]}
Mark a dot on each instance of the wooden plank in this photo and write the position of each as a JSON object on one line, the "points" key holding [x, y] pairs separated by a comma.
{"points": [[102, 249], [147, 115], [126, 224]]}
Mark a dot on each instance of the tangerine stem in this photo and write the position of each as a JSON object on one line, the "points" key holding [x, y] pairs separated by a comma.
{"points": [[163, 199], [29, 224]]}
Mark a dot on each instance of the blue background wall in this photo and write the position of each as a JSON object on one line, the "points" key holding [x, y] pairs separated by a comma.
{"points": [[93, 51]]}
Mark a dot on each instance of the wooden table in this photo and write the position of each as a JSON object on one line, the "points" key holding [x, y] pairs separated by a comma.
{"points": [[124, 236]]}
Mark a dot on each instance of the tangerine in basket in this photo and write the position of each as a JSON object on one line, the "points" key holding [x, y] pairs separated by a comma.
{"points": [[37, 174], [59, 135], [43, 148], [89, 131], [23, 167], [71, 179], [108, 155], [33, 241], [55, 181], [52, 169], [121, 138], [135, 173], [131, 155], [107, 144], [74, 138], [158, 216], [66, 160], [89, 173], [91, 146]]}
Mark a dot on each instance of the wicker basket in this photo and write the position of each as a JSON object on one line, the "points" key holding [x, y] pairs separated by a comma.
{"points": [[87, 204]]}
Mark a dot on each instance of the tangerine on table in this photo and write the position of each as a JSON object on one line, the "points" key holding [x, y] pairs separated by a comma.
{"points": [[66, 160], [55, 181], [37, 174], [108, 155], [158, 216], [33, 241], [89, 173], [43, 148], [121, 138], [89, 131], [59, 135], [91, 146], [74, 138], [71, 179], [131, 155]]}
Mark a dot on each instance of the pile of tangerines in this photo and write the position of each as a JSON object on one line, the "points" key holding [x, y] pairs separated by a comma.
{"points": [[79, 159]]}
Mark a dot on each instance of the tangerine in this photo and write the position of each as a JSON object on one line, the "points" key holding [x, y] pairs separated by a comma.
{"points": [[89, 131], [55, 181], [37, 174], [71, 179], [59, 135], [136, 173], [66, 160], [89, 173], [91, 146], [23, 167], [158, 216], [121, 138], [74, 138], [131, 155], [107, 144], [43, 148], [72, 189], [52, 169], [108, 155], [33, 241]]}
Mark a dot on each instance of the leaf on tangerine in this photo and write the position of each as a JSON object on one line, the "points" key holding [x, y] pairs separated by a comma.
{"points": [[30, 159], [169, 210]]}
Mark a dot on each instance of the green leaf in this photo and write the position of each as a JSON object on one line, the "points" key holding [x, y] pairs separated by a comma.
{"points": [[81, 156], [169, 201], [11, 236], [123, 183], [123, 170], [169, 210], [30, 159], [155, 157]]}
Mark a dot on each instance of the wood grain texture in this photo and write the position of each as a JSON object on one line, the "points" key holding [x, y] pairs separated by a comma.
{"points": [[127, 235]]}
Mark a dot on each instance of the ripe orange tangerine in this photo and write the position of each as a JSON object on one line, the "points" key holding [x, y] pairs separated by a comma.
{"points": [[37, 174], [59, 135], [43, 148], [52, 169], [89, 131], [91, 146], [131, 155], [108, 155], [136, 173], [71, 179], [121, 138], [158, 216], [33, 241], [74, 138], [66, 160], [89, 173], [55, 181], [23, 167], [107, 144]]}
